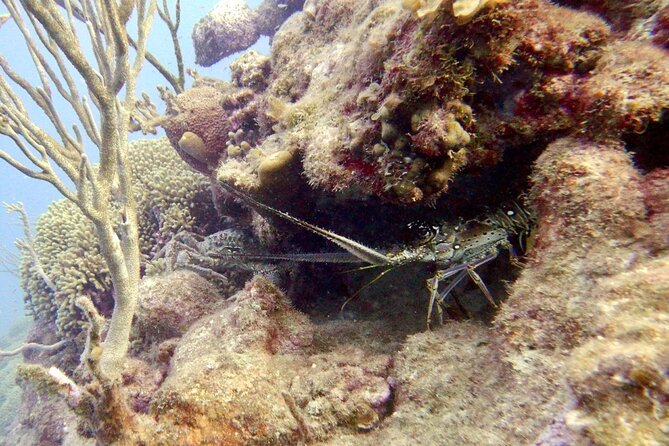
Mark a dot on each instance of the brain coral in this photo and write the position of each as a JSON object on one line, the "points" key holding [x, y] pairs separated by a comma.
{"points": [[170, 197]]}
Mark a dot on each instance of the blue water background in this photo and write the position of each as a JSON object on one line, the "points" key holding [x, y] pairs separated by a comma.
{"points": [[37, 195]]}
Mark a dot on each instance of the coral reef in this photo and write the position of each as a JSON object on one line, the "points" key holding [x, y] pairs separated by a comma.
{"points": [[170, 198], [215, 120], [251, 70], [633, 18], [232, 26], [608, 313], [416, 103], [578, 352], [404, 105], [258, 385], [169, 304]]}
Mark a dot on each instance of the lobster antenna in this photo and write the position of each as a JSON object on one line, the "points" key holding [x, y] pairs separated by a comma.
{"points": [[360, 251]]}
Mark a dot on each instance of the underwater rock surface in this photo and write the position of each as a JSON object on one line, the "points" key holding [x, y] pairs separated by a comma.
{"points": [[257, 384], [232, 26], [561, 103], [383, 101]]}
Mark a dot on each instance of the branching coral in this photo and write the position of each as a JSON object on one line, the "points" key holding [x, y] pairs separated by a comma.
{"points": [[116, 228], [177, 81], [110, 81], [169, 197]]}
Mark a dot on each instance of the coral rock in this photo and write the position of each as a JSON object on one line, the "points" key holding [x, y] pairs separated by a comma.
{"points": [[356, 394], [628, 88], [228, 28], [576, 205], [631, 18], [592, 291], [230, 391], [661, 28], [620, 377], [232, 26], [256, 384], [251, 70], [655, 187], [169, 304]]}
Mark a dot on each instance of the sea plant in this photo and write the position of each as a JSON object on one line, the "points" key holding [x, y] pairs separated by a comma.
{"points": [[102, 192]]}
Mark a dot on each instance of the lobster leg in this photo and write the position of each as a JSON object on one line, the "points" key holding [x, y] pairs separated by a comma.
{"points": [[433, 288], [460, 271], [477, 279], [479, 282]]}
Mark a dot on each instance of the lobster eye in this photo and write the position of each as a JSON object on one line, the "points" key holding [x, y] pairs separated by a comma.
{"points": [[510, 213], [456, 246]]}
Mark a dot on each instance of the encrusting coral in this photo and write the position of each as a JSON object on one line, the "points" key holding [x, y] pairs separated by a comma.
{"points": [[429, 101]]}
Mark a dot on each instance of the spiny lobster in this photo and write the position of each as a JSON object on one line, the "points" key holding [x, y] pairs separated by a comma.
{"points": [[455, 251]]}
